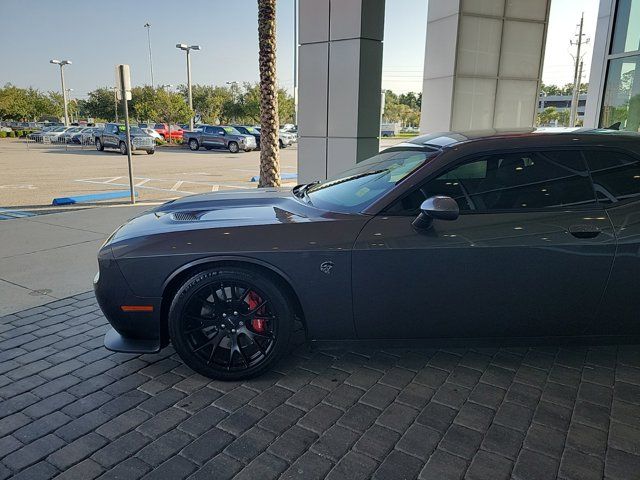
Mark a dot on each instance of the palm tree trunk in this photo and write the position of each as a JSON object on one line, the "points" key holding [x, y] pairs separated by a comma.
{"points": [[269, 122]]}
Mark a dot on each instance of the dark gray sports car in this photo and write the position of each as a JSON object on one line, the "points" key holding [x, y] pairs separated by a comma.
{"points": [[449, 236]]}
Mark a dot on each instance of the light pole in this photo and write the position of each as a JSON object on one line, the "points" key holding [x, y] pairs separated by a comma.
{"points": [[70, 100], [62, 63], [148, 27], [188, 48]]}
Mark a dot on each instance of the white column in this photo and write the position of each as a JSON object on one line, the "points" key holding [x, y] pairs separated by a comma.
{"points": [[340, 72], [483, 64], [599, 64]]}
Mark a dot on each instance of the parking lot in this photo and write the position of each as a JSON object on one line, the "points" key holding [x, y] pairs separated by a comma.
{"points": [[33, 175]]}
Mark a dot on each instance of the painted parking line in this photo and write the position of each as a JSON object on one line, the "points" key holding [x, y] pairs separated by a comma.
{"points": [[185, 187], [11, 214]]}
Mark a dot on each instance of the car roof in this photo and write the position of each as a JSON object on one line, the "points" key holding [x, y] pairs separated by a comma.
{"points": [[482, 139]]}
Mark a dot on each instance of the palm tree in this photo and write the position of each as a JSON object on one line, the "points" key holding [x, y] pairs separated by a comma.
{"points": [[269, 122]]}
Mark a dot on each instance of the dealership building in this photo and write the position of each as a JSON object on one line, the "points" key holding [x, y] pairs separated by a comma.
{"points": [[482, 70]]}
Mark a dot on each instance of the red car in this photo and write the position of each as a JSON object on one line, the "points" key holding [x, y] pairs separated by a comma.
{"points": [[163, 129]]}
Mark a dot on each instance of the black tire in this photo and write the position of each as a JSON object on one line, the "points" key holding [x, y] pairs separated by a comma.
{"points": [[123, 148], [281, 144], [233, 147], [196, 323], [193, 144], [99, 145], [151, 152]]}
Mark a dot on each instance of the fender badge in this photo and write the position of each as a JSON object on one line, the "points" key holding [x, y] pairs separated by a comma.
{"points": [[325, 267]]}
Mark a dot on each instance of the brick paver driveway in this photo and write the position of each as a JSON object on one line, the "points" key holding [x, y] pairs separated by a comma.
{"points": [[71, 408]]}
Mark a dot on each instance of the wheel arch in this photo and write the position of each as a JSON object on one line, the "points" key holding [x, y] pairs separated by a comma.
{"points": [[179, 276]]}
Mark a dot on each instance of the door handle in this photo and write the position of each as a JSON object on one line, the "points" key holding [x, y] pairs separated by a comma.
{"points": [[584, 231]]}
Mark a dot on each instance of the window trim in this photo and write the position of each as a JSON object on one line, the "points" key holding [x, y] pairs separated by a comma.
{"points": [[477, 156]]}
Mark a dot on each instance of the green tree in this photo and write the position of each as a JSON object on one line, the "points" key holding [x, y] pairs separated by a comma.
{"points": [[101, 104], [163, 106], [208, 101], [548, 116]]}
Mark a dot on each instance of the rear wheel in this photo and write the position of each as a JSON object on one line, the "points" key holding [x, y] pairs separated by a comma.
{"points": [[193, 144], [123, 148], [233, 147], [281, 143], [151, 152], [99, 145], [230, 324]]}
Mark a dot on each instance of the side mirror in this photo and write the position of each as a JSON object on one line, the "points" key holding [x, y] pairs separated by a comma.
{"points": [[440, 207]]}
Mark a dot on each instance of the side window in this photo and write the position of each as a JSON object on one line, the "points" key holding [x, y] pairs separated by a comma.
{"points": [[616, 176], [513, 181], [208, 130], [219, 131]]}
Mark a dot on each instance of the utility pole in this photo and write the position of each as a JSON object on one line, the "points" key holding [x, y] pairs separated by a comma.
{"points": [[187, 49], [148, 27], [115, 102], [577, 75], [61, 64]]}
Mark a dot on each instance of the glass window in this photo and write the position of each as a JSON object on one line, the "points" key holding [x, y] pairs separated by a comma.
{"points": [[616, 176], [622, 94], [358, 187], [626, 37], [514, 181]]}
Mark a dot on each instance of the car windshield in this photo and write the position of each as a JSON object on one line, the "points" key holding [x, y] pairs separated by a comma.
{"points": [[358, 187], [134, 130], [231, 130]]}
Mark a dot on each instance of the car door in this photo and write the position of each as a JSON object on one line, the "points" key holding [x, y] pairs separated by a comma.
{"points": [[208, 137], [528, 256], [616, 176], [108, 138], [217, 139]]}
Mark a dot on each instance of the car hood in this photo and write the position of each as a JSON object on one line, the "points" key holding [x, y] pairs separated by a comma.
{"points": [[237, 208]]}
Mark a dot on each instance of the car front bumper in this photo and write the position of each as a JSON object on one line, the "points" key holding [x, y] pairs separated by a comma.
{"points": [[134, 330]]}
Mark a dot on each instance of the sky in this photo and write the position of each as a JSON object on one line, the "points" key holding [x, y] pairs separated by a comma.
{"points": [[97, 35]]}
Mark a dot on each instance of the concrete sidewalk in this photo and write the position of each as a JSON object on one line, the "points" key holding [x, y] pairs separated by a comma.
{"points": [[49, 257]]}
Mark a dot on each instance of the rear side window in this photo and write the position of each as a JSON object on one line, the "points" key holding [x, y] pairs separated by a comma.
{"points": [[616, 176], [158, 126], [512, 181]]}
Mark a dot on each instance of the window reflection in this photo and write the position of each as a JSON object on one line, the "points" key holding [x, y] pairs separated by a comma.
{"points": [[622, 94]]}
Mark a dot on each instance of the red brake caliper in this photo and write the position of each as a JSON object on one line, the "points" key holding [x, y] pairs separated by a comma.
{"points": [[259, 325]]}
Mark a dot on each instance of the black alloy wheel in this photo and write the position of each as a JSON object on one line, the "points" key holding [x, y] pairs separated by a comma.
{"points": [[230, 324]]}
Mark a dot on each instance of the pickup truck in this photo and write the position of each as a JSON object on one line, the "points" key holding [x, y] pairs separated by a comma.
{"points": [[219, 136], [114, 136], [163, 130]]}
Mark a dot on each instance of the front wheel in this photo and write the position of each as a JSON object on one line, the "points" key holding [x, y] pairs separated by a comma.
{"points": [[230, 323], [193, 144], [123, 148], [99, 145], [151, 152], [233, 147]]}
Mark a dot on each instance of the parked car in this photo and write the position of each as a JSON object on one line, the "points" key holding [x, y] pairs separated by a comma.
{"points": [[219, 136], [284, 139], [151, 132], [113, 135], [86, 136], [163, 130], [447, 236], [247, 130], [68, 135], [49, 135]]}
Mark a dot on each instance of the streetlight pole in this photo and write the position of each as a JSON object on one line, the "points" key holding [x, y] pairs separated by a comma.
{"points": [[148, 27], [62, 63], [188, 48]]}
